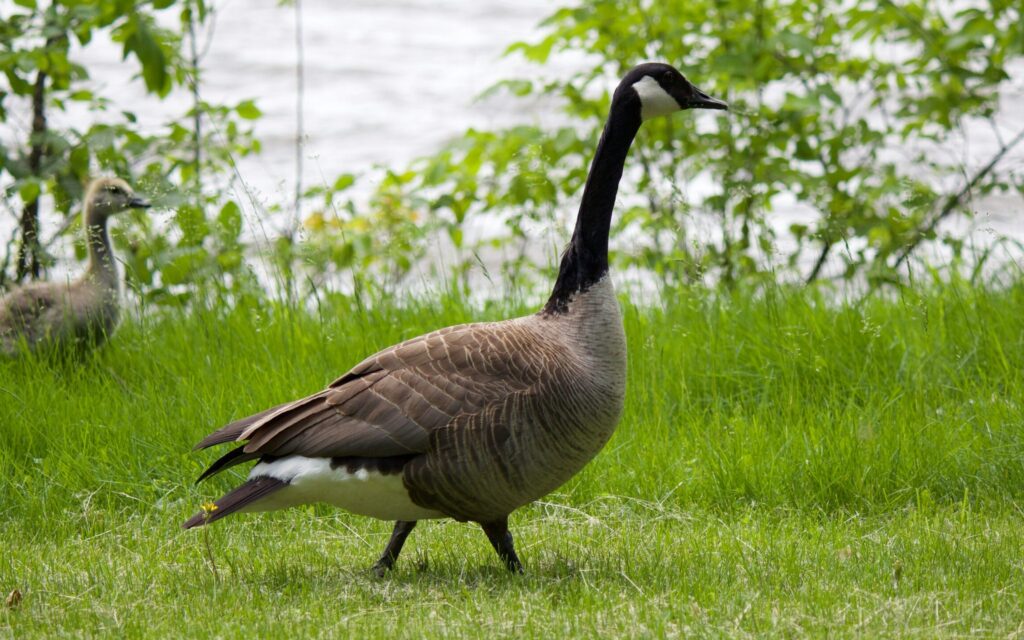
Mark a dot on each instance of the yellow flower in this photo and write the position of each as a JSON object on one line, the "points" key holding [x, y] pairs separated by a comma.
{"points": [[210, 507]]}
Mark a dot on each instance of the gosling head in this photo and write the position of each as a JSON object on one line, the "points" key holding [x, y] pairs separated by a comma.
{"points": [[658, 89], [107, 196]]}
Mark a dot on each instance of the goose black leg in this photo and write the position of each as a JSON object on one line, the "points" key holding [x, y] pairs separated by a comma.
{"points": [[501, 539], [398, 535]]}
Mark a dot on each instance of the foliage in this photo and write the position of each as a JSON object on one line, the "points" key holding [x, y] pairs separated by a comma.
{"points": [[839, 108], [842, 110], [376, 243], [38, 45]]}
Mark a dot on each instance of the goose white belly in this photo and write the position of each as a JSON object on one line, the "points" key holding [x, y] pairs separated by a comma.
{"points": [[365, 492]]}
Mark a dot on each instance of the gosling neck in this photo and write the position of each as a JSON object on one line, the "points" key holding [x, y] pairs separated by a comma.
{"points": [[585, 260], [101, 256]]}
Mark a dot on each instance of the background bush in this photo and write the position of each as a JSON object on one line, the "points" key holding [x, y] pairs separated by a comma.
{"points": [[838, 109], [835, 108]]}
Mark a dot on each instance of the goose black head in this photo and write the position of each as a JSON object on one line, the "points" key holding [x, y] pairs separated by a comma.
{"points": [[659, 89], [107, 196]]}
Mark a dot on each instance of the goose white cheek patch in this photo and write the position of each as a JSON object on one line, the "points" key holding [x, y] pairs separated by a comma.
{"points": [[654, 101]]}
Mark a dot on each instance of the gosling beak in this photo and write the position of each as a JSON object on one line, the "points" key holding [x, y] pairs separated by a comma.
{"points": [[138, 203], [701, 100]]}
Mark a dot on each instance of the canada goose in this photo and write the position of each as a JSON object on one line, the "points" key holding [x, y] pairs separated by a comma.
{"points": [[82, 312], [473, 421]]}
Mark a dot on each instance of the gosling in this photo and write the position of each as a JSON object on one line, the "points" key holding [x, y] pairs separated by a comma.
{"points": [[78, 314]]}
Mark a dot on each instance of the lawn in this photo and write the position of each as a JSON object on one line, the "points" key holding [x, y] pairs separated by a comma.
{"points": [[785, 466]]}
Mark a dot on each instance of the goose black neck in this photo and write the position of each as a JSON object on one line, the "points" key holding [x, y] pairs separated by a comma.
{"points": [[585, 260]]}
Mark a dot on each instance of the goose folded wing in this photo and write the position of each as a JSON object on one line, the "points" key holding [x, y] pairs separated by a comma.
{"points": [[389, 404]]}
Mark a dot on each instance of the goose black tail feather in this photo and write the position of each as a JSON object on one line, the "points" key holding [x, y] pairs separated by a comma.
{"points": [[230, 432], [237, 499], [226, 461]]}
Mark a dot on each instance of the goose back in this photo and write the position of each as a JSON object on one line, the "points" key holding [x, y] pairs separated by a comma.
{"points": [[484, 465]]}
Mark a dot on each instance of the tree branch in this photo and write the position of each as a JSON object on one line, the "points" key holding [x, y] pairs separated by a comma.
{"points": [[820, 262], [28, 250], [197, 114], [299, 123], [955, 200]]}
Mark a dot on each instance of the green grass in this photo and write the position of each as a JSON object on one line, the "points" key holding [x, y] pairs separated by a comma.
{"points": [[784, 466]]}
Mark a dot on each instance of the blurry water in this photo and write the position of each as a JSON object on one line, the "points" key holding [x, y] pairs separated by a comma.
{"points": [[385, 81]]}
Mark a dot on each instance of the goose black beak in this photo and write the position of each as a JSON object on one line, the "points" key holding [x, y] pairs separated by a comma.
{"points": [[701, 100], [139, 203]]}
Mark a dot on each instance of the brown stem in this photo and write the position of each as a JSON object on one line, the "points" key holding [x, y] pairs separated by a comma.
{"points": [[209, 549], [197, 109], [819, 263], [29, 250], [300, 132]]}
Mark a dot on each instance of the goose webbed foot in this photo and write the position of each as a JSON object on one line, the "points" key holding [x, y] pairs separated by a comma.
{"points": [[398, 535], [501, 539]]}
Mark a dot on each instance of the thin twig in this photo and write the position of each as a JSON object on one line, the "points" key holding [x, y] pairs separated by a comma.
{"points": [[820, 262], [69, 221], [995, 129], [299, 124], [197, 112], [955, 200], [208, 510], [211, 20]]}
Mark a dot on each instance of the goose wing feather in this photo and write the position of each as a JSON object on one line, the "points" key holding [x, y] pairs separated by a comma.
{"points": [[391, 403]]}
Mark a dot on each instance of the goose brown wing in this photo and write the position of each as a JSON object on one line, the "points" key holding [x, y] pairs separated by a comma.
{"points": [[389, 404]]}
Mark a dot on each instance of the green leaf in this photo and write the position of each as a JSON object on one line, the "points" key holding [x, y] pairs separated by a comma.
{"points": [[247, 109], [29, 191], [343, 182], [141, 42], [229, 221], [193, 225], [797, 41], [183, 268], [455, 233], [79, 160]]}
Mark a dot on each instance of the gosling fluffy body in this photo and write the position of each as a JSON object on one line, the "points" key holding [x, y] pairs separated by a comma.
{"points": [[83, 312]]}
